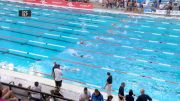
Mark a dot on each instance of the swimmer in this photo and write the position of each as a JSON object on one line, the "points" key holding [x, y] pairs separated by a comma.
{"points": [[73, 52], [114, 24], [97, 37], [110, 31], [66, 68], [124, 20], [81, 42], [83, 56]]}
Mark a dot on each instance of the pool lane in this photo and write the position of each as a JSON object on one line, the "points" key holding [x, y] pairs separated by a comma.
{"points": [[168, 35], [47, 44], [172, 37], [153, 41]]}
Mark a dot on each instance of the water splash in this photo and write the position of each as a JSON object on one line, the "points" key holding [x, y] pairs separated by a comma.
{"points": [[6, 65], [126, 26]]}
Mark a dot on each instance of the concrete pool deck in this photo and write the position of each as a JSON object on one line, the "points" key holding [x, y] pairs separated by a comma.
{"points": [[70, 91]]}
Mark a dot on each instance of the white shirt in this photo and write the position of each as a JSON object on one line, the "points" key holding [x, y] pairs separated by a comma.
{"points": [[85, 97], [36, 95], [58, 74]]}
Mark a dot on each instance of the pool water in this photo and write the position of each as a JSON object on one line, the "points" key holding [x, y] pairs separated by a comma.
{"points": [[142, 51]]}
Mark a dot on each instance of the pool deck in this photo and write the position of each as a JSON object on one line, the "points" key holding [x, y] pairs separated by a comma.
{"points": [[70, 91]]}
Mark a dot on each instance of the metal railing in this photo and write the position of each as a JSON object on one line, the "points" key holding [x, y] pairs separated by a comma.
{"points": [[11, 85]]}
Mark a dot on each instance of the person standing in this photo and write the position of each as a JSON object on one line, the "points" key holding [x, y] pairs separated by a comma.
{"points": [[121, 92], [108, 86], [55, 66], [125, 4], [143, 96], [159, 3], [58, 76]]}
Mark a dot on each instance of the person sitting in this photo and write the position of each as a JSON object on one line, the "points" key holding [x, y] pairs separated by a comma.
{"points": [[110, 97], [36, 87], [1, 96], [130, 96], [7, 95], [57, 93], [97, 96], [86, 96], [143, 96]]}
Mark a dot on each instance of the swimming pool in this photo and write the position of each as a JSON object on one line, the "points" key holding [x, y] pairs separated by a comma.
{"points": [[141, 51]]}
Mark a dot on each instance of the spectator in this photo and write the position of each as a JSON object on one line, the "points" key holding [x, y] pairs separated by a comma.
{"points": [[122, 3], [130, 96], [143, 96], [108, 85], [125, 4], [58, 76], [141, 7], [135, 6], [118, 3], [110, 3], [155, 4], [110, 97], [57, 93], [169, 8], [129, 5], [159, 2], [1, 87], [85, 96], [36, 87], [97, 96], [121, 92], [6, 94], [1, 96]]}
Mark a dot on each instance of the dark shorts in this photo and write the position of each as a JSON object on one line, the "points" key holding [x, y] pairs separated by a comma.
{"points": [[58, 83]]}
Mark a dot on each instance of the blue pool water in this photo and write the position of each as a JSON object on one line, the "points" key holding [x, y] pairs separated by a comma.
{"points": [[142, 51]]}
